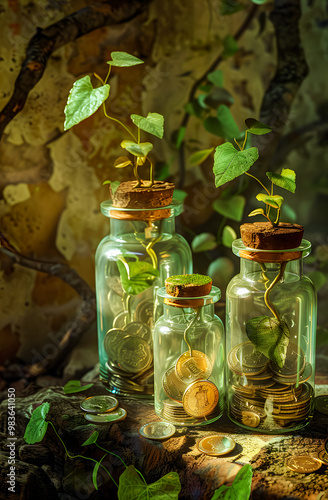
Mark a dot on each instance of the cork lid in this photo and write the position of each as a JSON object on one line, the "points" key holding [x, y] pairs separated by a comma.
{"points": [[188, 285]]}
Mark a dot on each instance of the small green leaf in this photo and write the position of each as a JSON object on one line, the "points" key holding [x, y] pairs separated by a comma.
{"points": [[217, 96], [37, 426], [216, 77], [153, 123], [212, 125], [193, 108], [233, 208], [228, 7], [230, 163], [229, 126], [240, 488], [199, 156], [179, 194], [113, 186], [257, 211], [141, 149], [136, 276], [203, 242], [123, 59], [285, 180], [257, 128], [94, 474], [274, 201], [75, 386], [270, 336], [180, 137], [83, 101], [228, 236], [288, 214], [122, 162], [230, 46], [132, 487], [92, 439]]}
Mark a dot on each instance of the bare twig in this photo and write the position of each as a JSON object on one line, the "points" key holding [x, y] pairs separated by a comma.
{"points": [[46, 41]]}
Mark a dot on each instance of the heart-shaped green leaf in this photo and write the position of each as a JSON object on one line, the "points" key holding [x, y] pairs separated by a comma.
{"points": [[230, 163], [37, 426], [228, 236], [229, 126], [203, 242], [136, 276], [113, 185], [270, 336], [132, 486], [75, 386], [141, 149], [153, 123], [257, 128], [233, 207], [83, 101], [123, 59], [230, 46], [274, 201], [199, 156], [285, 180], [240, 488], [92, 439]]}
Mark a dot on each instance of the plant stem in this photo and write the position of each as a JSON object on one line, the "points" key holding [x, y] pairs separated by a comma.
{"points": [[267, 300], [119, 122], [135, 172], [108, 73], [112, 453], [190, 324], [151, 176], [245, 139], [241, 148], [253, 176]]}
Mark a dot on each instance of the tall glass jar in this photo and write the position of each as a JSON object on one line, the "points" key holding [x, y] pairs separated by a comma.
{"points": [[140, 252], [270, 340], [188, 359]]}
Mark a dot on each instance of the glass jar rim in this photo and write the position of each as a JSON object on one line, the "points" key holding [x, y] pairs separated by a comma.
{"points": [[176, 208], [304, 248], [211, 298]]}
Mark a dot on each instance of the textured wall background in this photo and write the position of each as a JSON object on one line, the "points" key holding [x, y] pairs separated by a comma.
{"points": [[51, 180]]}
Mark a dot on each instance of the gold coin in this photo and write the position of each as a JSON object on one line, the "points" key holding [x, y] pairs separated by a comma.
{"points": [[298, 378], [248, 357], [134, 354], [193, 367], [137, 329], [323, 456], [173, 386], [157, 430], [236, 366], [99, 404], [200, 398], [216, 445], [321, 404], [303, 464], [144, 312], [112, 340], [250, 418], [105, 418], [294, 362]]}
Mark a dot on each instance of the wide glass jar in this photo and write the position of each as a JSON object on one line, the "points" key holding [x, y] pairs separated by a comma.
{"points": [[270, 340], [188, 359], [140, 252]]}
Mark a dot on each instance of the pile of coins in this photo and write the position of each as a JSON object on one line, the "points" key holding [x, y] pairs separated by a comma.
{"points": [[102, 409], [191, 397], [128, 346], [263, 392]]}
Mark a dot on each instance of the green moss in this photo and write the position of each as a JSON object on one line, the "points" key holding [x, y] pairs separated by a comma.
{"points": [[189, 279]]}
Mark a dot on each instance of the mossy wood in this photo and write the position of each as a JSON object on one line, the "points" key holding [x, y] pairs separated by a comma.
{"points": [[188, 285]]}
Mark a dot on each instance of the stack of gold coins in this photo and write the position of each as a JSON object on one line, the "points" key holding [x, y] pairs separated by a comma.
{"points": [[262, 390]]}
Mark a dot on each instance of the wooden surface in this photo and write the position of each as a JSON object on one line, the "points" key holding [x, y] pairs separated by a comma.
{"points": [[43, 468]]}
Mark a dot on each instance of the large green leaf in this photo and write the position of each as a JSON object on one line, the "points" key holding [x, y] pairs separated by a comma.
{"points": [[230, 163], [75, 386], [83, 101], [270, 336], [153, 123], [132, 487], [285, 180], [203, 242], [212, 125], [123, 59], [141, 149], [274, 201], [199, 156], [229, 126], [240, 488], [257, 128], [233, 208], [37, 426], [136, 276]]}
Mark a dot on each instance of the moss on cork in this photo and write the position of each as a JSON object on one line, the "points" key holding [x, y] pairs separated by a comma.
{"points": [[189, 279]]}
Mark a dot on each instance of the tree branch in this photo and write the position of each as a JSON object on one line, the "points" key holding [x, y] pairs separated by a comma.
{"points": [[46, 41]]}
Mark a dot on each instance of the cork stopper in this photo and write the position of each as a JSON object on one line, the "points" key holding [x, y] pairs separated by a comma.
{"points": [[188, 285]]}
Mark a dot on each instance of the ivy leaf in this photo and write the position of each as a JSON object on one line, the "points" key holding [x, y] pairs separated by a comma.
{"points": [[212, 125], [75, 386], [141, 149], [257, 211], [233, 208], [228, 7], [216, 77], [153, 123], [113, 185], [122, 162], [217, 96], [203, 242], [123, 59], [228, 236], [230, 46], [274, 201], [257, 128], [240, 488], [230, 163], [37, 426], [270, 336], [92, 439], [136, 276], [83, 101], [132, 487], [285, 180], [229, 126], [200, 156]]}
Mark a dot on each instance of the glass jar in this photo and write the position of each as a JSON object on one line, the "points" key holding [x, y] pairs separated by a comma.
{"points": [[270, 340], [140, 252], [188, 359]]}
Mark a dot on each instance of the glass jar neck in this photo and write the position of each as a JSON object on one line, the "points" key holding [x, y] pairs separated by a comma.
{"points": [[183, 312], [250, 266], [151, 229]]}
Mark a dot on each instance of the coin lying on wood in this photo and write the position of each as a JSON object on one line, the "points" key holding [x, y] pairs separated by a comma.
{"points": [[303, 464], [216, 445], [105, 418], [99, 404], [157, 430]]}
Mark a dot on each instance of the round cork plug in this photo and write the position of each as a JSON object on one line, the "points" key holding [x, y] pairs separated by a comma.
{"points": [[188, 285]]}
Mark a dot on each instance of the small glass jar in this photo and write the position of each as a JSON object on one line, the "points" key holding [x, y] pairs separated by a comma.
{"points": [[270, 340], [141, 251], [188, 359]]}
